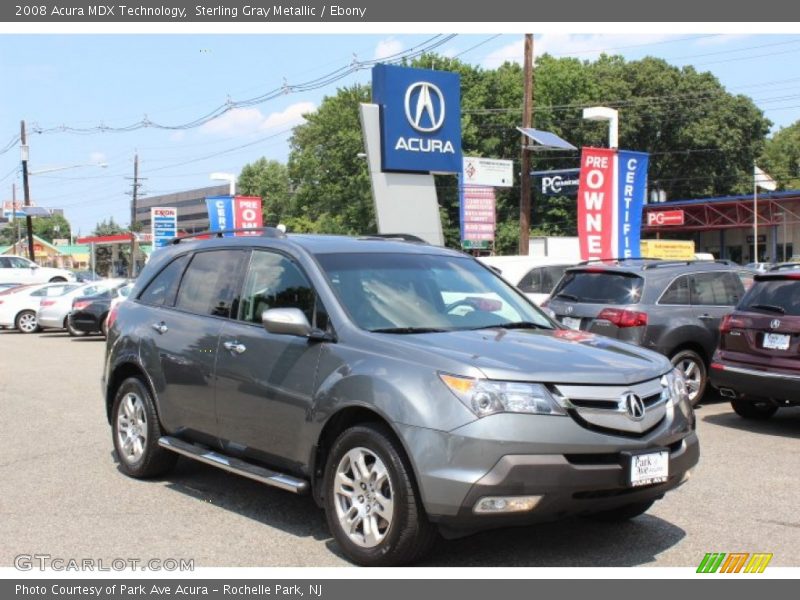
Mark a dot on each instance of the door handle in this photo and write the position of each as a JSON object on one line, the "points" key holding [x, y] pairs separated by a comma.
{"points": [[235, 347], [706, 317], [160, 327]]}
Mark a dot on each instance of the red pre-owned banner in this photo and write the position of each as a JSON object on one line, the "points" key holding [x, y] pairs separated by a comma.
{"points": [[596, 203], [247, 212]]}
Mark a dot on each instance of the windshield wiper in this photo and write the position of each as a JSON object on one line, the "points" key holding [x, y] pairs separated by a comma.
{"points": [[408, 330], [516, 325], [768, 308], [572, 297]]}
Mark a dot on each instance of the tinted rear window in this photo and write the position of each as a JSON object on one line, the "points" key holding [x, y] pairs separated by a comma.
{"points": [[594, 287], [783, 294]]}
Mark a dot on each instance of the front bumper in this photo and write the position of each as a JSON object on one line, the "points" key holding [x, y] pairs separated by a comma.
{"points": [[576, 471], [747, 381]]}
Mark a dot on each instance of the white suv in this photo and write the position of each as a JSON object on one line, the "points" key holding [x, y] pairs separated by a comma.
{"points": [[15, 269]]}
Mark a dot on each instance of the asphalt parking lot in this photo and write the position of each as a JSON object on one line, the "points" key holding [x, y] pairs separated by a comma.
{"points": [[63, 495]]}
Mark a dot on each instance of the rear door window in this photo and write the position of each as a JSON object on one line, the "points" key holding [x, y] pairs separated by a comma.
{"points": [[599, 287], [719, 288], [210, 285]]}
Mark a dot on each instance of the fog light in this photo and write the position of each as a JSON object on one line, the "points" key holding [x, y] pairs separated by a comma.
{"points": [[506, 504]]}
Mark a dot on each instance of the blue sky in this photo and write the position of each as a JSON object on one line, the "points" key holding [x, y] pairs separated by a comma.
{"points": [[91, 80]]}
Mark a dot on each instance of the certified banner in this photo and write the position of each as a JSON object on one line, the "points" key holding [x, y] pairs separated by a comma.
{"points": [[631, 189], [596, 203], [220, 213]]}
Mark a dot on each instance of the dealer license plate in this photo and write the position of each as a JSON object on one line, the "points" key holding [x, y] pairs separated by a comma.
{"points": [[571, 322], [776, 341], [650, 468]]}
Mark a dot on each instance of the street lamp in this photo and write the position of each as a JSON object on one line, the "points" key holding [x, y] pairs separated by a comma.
{"points": [[603, 113], [64, 168], [229, 177]]}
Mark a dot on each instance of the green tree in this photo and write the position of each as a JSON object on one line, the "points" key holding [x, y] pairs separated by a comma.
{"points": [[52, 227], [781, 157], [270, 180], [108, 227], [330, 181]]}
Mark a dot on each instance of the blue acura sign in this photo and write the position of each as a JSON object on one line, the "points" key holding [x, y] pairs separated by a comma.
{"points": [[420, 119]]}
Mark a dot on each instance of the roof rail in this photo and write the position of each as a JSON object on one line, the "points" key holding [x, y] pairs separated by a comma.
{"points": [[617, 260], [785, 266], [402, 237], [272, 232]]}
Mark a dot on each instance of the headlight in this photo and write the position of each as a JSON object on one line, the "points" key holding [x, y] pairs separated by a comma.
{"points": [[485, 397], [674, 384]]}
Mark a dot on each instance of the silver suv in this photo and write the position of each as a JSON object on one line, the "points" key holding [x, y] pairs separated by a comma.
{"points": [[408, 388]]}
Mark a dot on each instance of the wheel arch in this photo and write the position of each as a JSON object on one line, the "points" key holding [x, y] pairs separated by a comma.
{"points": [[338, 422], [120, 373]]}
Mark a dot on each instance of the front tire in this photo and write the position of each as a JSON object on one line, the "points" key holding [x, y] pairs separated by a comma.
{"points": [[623, 513], [371, 502], [755, 411], [694, 369], [136, 430], [26, 322]]}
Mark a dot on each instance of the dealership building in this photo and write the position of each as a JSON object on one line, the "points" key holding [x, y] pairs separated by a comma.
{"points": [[724, 226]]}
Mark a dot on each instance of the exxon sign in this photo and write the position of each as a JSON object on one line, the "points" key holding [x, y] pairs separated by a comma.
{"points": [[420, 119]]}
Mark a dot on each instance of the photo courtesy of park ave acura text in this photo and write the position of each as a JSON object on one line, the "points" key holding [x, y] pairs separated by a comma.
{"points": [[346, 298]]}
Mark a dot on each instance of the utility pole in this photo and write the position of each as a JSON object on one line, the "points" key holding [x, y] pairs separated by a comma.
{"points": [[26, 188], [134, 197], [525, 176], [14, 215]]}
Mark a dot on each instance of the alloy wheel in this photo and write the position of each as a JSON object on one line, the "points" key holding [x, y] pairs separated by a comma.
{"points": [[26, 322], [694, 377], [131, 428], [363, 497]]}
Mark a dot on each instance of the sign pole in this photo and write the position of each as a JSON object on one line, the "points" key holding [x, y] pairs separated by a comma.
{"points": [[525, 176], [755, 216]]}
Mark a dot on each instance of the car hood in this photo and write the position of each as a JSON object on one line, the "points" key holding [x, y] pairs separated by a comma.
{"points": [[547, 356]]}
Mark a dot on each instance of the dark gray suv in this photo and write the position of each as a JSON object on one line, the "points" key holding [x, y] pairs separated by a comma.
{"points": [[674, 308], [407, 387]]}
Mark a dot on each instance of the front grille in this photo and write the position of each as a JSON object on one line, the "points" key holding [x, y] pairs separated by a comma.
{"points": [[602, 408]]}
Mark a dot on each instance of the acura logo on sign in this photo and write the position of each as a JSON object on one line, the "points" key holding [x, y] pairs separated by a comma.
{"points": [[633, 405], [775, 323], [424, 115]]}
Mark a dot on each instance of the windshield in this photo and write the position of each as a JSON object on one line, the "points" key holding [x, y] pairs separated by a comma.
{"points": [[414, 293], [599, 287], [780, 296]]}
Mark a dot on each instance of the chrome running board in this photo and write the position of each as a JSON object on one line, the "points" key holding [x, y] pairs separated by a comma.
{"points": [[234, 465]]}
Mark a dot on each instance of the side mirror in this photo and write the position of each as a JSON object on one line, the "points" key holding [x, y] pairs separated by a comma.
{"points": [[286, 321]]}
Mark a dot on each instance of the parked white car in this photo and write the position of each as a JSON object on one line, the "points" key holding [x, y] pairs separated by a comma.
{"points": [[15, 269], [53, 311], [534, 276], [18, 307]]}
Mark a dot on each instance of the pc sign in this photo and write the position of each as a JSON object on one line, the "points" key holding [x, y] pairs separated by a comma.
{"points": [[420, 113], [610, 198]]}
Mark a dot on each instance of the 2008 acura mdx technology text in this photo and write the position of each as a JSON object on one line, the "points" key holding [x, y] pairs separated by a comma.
{"points": [[407, 387]]}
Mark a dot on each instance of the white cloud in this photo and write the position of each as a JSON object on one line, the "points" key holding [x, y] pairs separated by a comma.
{"points": [[388, 47], [241, 121], [584, 47]]}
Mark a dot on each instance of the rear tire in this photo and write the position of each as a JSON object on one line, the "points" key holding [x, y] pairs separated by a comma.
{"points": [[623, 513], [72, 331], [694, 369], [135, 430], [26, 322], [755, 411], [371, 503]]}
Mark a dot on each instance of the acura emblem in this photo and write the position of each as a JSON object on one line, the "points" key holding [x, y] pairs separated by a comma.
{"points": [[775, 323], [633, 405], [570, 309], [424, 106]]}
